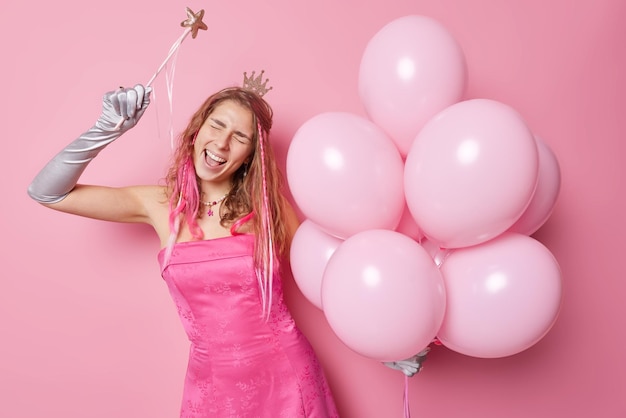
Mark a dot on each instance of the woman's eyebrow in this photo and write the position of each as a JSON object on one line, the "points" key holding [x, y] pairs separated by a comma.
{"points": [[218, 122], [244, 135]]}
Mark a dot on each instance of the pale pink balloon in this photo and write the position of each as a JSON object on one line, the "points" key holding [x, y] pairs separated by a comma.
{"points": [[311, 248], [546, 194], [345, 174], [383, 295], [410, 70], [503, 296], [471, 173]]}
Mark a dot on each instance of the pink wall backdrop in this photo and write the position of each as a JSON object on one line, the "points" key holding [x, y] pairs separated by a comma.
{"points": [[87, 327]]}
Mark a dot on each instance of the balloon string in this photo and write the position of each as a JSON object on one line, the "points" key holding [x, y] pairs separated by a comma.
{"points": [[407, 411]]}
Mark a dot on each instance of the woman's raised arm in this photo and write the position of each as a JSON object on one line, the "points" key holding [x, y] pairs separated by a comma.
{"points": [[56, 184]]}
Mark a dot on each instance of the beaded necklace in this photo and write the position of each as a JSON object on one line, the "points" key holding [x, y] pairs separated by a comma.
{"points": [[210, 205]]}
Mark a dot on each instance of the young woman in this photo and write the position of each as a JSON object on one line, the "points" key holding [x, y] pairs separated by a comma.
{"points": [[225, 231]]}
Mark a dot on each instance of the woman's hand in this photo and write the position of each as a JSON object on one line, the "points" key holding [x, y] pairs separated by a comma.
{"points": [[410, 366], [122, 108]]}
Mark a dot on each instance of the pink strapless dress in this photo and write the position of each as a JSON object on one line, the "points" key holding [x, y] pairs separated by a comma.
{"points": [[239, 364]]}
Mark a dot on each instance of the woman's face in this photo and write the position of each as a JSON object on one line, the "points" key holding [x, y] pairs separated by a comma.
{"points": [[224, 143]]}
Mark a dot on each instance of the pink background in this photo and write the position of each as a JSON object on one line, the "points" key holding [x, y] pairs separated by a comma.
{"points": [[88, 329]]}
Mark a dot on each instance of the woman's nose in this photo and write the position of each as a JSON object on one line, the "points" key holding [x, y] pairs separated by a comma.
{"points": [[223, 139]]}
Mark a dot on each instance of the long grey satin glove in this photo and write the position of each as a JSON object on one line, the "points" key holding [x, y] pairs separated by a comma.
{"points": [[410, 366], [60, 175]]}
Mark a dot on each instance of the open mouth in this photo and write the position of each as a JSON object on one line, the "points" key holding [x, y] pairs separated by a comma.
{"points": [[213, 160]]}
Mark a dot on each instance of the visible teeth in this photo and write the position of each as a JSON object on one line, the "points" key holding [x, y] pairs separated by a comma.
{"points": [[215, 157]]}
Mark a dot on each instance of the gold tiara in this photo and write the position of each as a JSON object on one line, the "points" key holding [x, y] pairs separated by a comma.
{"points": [[256, 85]]}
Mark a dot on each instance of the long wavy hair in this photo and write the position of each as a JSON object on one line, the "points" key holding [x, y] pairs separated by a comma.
{"points": [[255, 196]]}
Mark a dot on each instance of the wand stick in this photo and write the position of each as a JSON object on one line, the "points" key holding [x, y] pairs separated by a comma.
{"points": [[172, 51]]}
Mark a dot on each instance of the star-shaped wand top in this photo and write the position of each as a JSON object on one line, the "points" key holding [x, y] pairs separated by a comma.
{"points": [[194, 21]]}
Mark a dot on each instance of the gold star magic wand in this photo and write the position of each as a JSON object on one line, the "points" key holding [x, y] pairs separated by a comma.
{"points": [[192, 24]]}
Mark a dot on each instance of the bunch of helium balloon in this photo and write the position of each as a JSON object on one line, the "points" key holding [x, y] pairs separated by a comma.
{"points": [[418, 218]]}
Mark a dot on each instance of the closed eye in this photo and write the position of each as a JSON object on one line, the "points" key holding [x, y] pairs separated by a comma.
{"points": [[217, 124], [242, 139]]}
